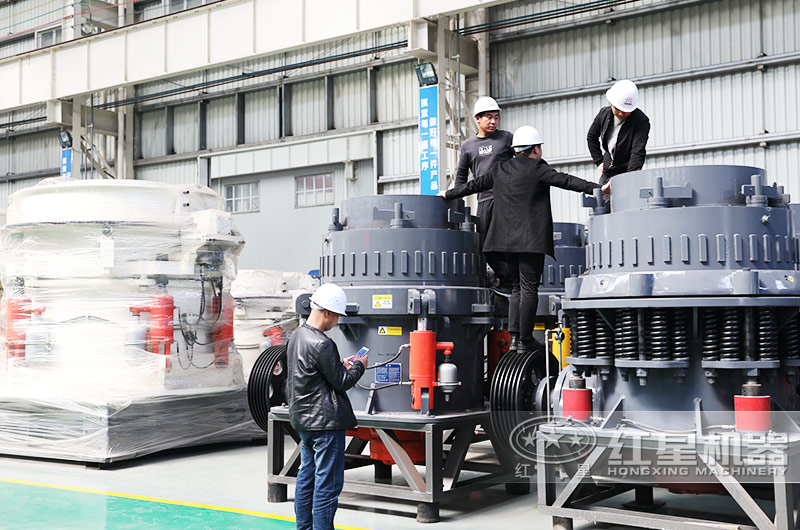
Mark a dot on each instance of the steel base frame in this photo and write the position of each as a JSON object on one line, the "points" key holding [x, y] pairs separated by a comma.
{"points": [[579, 497], [447, 441]]}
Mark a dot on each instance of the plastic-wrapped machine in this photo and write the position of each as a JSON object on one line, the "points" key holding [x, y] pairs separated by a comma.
{"points": [[118, 321], [265, 314]]}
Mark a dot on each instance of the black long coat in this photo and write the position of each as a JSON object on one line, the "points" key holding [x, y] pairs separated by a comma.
{"points": [[630, 151], [522, 221]]}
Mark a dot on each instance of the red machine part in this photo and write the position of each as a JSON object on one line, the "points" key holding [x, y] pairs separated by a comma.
{"points": [[422, 365], [497, 342], [18, 313], [753, 413], [223, 330], [274, 336], [412, 442], [577, 403], [161, 331]]}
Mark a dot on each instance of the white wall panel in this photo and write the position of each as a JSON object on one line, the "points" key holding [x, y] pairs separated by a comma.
{"points": [[261, 115], [308, 110], [153, 133], [220, 129], [350, 100], [403, 187], [397, 92], [172, 173], [400, 148], [781, 99], [781, 26], [35, 152], [185, 128]]}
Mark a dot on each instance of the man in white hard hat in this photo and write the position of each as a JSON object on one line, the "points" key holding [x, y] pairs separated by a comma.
{"points": [[478, 154], [319, 408], [522, 226], [618, 135]]}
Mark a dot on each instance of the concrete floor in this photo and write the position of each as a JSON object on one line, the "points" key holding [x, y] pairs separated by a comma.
{"points": [[224, 486]]}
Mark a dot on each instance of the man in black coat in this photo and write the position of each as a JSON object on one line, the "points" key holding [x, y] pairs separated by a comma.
{"points": [[618, 135], [522, 225], [319, 408]]}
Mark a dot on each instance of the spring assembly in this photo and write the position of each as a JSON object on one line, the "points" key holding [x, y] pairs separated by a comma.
{"points": [[626, 334], [659, 334], [585, 328], [790, 340], [604, 343], [767, 336], [730, 337], [711, 337], [680, 334]]}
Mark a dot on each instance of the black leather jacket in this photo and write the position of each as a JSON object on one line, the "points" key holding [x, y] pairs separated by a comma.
{"points": [[317, 382], [631, 143]]}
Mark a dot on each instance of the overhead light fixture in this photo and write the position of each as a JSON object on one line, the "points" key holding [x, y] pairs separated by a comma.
{"points": [[426, 74], [65, 139]]}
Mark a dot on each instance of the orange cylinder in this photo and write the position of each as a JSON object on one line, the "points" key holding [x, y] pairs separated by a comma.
{"points": [[223, 330], [497, 343], [162, 309], [577, 402], [17, 314], [752, 413]]}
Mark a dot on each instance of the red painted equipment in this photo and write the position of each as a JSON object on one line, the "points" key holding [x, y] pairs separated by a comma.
{"points": [[422, 365], [161, 331], [753, 413], [577, 399], [223, 330], [413, 443], [497, 342], [274, 335], [18, 314]]}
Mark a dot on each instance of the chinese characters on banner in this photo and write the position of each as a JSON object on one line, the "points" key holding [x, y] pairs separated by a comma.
{"points": [[428, 141], [66, 163]]}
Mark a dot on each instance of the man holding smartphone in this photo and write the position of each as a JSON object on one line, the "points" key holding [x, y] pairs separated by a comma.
{"points": [[319, 408]]}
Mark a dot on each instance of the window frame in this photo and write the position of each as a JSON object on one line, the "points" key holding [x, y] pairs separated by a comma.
{"points": [[326, 189]]}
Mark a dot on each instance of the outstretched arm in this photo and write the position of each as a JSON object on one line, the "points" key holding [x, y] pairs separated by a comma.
{"points": [[482, 183]]}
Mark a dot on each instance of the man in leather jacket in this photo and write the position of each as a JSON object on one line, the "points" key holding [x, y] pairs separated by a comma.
{"points": [[319, 408]]}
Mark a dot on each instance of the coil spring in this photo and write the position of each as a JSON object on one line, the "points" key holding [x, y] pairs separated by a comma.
{"points": [[659, 334], [626, 336], [604, 345], [790, 340], [730, 337], [711, 345], [767, 346], [573, 339], [585, 328], [680, 335]]}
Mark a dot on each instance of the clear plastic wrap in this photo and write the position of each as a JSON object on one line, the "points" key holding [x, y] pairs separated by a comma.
{"points": [[118, 321], [265, 310]]}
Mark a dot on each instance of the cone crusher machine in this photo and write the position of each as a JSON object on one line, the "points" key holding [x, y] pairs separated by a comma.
{"points": [[683, 374]]}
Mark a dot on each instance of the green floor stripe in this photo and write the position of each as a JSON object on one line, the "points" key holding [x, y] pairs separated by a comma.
{"points": [[24, 507]]}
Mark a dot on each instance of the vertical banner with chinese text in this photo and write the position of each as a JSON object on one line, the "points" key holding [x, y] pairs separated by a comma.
{"points": [[428, 140]]}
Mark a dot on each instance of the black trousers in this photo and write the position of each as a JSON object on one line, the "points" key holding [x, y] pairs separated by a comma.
{"points": [[526, 269], [496, 260]]}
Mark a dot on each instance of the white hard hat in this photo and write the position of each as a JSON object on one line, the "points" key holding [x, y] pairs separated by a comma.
{"points": [[624, 95], [525, 137], [485, 104], [331, 297]]}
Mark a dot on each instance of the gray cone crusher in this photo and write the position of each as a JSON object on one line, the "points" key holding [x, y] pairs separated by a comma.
{"points": [[685, 349], [414, 276]]}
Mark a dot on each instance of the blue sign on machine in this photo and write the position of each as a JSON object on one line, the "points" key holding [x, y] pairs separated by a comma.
{"points": [[428, 140], [388, 373], [66, 163]]}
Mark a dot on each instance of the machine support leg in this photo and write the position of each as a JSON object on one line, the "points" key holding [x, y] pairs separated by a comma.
{"points": [[562, 523], [643, 500], [383, 473], [428, 512], [277, 493], [275, 458]]}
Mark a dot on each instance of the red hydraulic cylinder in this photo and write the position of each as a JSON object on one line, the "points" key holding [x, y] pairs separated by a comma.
{"points": [[223, 331], [162, 330], [422, 365], [753, 413], [577, 403], [18, 313], [497, 343]]}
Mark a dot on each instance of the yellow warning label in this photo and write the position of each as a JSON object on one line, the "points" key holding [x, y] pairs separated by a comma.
{"points": [[390, 330], [381, 301], [538, 327]]}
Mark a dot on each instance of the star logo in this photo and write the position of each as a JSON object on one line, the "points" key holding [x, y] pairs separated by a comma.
{"points": [[530, 438], [576, 440], [551, 439]]}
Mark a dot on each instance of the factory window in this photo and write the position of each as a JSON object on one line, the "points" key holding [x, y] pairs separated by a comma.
{"points": [[48, 37], [313, 190], [241, 198]]}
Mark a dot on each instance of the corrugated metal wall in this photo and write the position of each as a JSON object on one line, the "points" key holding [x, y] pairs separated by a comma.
{"points": [[308, 107], [550, 81], [350, 100], [261, 115], [25, 17], [221, 124], [171, 173], [186, 128], [8, 188], [397, 92], [153, 134]]}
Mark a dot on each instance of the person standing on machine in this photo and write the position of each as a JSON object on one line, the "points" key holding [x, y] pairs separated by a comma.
{"points": [[618, 135], [522, 226], [478, 154]]}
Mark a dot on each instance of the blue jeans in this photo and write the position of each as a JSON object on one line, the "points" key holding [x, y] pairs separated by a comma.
{"points": [[319, 480]]}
